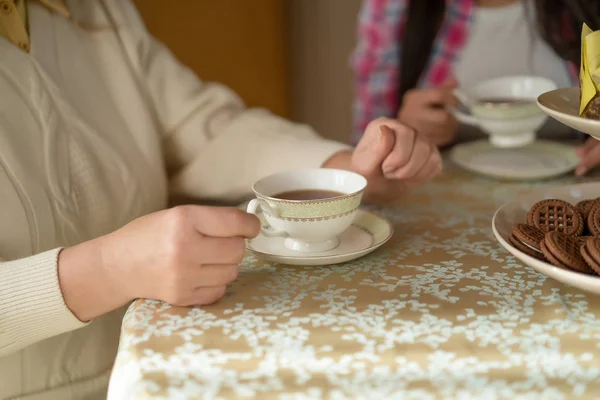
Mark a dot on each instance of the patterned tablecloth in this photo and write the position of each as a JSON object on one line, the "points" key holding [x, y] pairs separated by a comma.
{"points": [[441, 311]]}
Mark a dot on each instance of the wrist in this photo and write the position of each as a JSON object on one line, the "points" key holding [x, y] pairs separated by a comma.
{"points": [[340, 160], [87, 283]]}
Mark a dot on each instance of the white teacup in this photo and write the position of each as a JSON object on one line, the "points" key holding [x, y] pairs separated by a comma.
{"points": [[510, 123], [309, 225]]}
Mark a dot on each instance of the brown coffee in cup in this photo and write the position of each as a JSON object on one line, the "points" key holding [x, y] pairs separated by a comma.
{"points": [[308, 194]]}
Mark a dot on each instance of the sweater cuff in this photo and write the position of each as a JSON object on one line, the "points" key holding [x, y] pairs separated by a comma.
{"points": [[32, 307]]}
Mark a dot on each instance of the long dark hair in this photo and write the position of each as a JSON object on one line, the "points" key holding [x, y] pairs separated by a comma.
{"points": [[425, 17]]}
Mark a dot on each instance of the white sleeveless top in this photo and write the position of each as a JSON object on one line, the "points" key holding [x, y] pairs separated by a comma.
{"points": [[505, 41]]}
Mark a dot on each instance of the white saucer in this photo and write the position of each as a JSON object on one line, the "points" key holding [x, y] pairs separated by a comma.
{"points": [[515, 212], [368, 232], [539, 160], [563, 105]]}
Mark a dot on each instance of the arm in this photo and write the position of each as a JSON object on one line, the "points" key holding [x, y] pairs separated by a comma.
{"points": [[215, 147], [375, 62], [185, 256], [31, 303]]}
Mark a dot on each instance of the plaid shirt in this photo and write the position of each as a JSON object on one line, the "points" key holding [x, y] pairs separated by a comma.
{"points": [[376, 59]]}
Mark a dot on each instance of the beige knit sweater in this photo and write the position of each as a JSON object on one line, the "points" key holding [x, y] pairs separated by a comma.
{"points": [[96, 126]]}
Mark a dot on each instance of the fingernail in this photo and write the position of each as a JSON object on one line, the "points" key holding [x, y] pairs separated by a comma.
{"points": [[384, 129], [581, 170]]}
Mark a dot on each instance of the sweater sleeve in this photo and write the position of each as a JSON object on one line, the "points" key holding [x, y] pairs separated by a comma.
{"points": [[31, 303], [215, 147]]}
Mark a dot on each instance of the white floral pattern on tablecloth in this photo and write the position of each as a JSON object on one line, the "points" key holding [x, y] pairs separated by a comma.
{"points": [[441, 311]]}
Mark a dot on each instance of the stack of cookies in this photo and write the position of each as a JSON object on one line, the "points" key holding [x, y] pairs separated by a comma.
{"points": [[565, 235]]}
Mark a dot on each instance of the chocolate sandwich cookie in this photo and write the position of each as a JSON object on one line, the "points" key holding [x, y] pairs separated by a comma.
{"points": [[585, 206], [593, 220], [522, 247], [550, 257], [590, 252], [583, 239], [564, 251], [527, 239], [529, 235], [556, 215]]}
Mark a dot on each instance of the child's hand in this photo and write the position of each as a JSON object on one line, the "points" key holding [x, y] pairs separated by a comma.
{"points": [[425, 111], [589, 156]]}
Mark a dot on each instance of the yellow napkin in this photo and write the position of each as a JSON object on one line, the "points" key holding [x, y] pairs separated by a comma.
{"points": [[589, 73]]}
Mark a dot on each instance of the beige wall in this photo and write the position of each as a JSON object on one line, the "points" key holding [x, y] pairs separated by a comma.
{"points": [[321, 38]]}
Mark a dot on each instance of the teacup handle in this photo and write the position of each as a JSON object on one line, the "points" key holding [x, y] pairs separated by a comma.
{"points": [[463, 97], [462, 117], [466, 102], [253, 207]]}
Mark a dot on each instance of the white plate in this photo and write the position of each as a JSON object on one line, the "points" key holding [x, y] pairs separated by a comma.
{"points": [[368, 232], [515, 211], [563, 105], [539, 160]]}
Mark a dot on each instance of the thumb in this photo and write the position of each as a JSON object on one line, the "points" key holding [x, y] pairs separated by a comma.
{"points": [[373, 150], [448, 85]]}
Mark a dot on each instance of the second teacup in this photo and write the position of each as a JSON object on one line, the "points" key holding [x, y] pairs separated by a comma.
{"points": [[311, 208], [505, 108]]}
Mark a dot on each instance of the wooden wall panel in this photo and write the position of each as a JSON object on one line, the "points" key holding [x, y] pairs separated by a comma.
{"points": [[237, 42]]}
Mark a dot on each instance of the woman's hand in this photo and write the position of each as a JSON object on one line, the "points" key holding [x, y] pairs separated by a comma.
{"points": [[589, 156], [425, 111], [185, 256], [393, 158]]}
